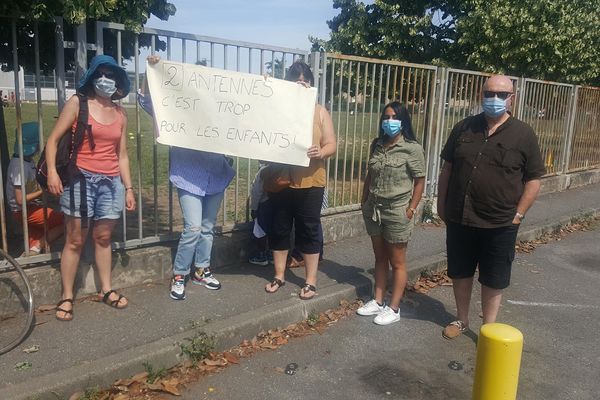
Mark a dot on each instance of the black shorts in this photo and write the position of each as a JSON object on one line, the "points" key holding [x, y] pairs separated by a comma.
{"points": [[300, 208], [492, 249], [264, 215]]}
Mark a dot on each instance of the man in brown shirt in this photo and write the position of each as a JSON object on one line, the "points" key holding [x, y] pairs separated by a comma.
{"points": [[490, 178]]}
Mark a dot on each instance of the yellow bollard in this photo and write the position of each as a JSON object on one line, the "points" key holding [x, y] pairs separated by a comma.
{"points": [[498, 361]]}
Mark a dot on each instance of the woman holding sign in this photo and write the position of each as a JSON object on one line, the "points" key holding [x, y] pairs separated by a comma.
{"points": [[299, 204], [201, 179]]}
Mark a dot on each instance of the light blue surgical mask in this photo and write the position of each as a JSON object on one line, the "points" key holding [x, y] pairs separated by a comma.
{"points": [[391, 127], [493, 106], [105, 87]]}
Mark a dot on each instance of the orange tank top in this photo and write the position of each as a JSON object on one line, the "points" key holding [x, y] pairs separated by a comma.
{"points": [[104, 158]]}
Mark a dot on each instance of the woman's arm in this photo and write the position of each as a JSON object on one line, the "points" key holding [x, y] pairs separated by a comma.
{"points": [[328, 145], [418, 187], [28, 198], [124, 166], [64, 124]]}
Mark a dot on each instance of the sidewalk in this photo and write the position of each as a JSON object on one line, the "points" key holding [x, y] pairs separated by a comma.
{"points": [[102, 344]]}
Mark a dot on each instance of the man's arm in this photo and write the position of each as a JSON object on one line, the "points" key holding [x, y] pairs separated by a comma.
{"points": [[530, 193], [443, 189]]}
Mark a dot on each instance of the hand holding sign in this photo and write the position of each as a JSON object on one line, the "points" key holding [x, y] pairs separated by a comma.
{"points": [[232, 113]]}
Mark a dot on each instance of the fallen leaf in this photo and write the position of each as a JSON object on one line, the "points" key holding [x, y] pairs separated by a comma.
{"points": [[76, 396], [141, 377], [121, 396], [231, 358], [170, 388], [45, 307], [33, 349], [157, 387], [279, 369], [215, 363]]}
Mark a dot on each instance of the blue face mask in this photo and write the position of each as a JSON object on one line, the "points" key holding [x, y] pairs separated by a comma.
{"points": [[105, 87], [391, 127], [493, 106]]}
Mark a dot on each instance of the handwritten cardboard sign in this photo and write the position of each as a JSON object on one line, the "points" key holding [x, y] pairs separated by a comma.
{"points": [[232, 113]]}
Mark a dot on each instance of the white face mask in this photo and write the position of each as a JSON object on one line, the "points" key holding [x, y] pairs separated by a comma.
{"points": [[104, 86]]}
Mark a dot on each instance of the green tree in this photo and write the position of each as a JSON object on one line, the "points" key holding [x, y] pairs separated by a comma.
{"points": [[555, 40], [133, 13], [418, 31], [546, 39]]}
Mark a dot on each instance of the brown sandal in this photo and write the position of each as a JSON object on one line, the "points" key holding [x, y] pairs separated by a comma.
{"points": [[275, 282], [114, 303], [68, 313], [307, 288]]}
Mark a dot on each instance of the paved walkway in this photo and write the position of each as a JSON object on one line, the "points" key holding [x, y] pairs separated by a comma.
{"points": [[102, 344]]}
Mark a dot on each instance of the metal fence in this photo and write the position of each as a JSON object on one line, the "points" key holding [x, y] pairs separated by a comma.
{"points": [[353, 89]]}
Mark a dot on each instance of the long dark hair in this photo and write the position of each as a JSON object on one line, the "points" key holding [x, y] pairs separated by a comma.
{"points": [[401, 115], [298, 68]]}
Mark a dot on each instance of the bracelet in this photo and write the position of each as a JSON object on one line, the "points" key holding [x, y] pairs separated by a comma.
{"points": [[129, 188], [414, 210], [520, 216]]}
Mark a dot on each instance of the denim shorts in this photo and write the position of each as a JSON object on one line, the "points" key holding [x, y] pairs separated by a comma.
{"points": [[105, 197]]}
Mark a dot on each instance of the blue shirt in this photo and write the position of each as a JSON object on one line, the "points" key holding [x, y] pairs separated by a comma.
{"points": [[197, 172]]}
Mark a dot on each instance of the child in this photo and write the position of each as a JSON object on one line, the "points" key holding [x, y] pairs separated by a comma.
{"points": [[35, 208], [261, 214]]}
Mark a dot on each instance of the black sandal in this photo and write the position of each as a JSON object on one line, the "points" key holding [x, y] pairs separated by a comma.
{"points": [[67, 312], [114, 303], [308, 287], [275, 281]]}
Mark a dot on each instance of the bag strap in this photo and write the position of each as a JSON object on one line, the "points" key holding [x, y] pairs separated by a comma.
{"points": [[82, 126]]}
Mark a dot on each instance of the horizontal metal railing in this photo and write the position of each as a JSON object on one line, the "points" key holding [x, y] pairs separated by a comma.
{"points": [[354, 89]]}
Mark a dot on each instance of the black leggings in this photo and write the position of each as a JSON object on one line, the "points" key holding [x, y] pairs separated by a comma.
{"points": [[300, 208]]}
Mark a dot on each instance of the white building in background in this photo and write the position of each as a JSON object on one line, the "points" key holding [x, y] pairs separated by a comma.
{"points": [[7, 83]]}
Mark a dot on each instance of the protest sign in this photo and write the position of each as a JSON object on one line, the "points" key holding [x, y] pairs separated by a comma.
{"points": [[232, 113]]}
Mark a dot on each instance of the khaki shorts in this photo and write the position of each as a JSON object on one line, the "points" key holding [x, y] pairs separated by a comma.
{"points": [[387, 219]]}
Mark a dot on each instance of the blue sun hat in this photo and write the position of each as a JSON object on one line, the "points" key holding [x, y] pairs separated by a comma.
{"points": [[123, 84], [31, 139]]}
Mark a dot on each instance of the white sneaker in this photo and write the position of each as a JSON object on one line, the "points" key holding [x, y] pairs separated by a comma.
{"points": [[387, 316], [177, 288], [203, 276], [370, 308]]}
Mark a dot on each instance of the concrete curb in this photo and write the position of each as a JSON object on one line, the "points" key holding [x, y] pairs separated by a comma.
{"points": [[165, 352], [231, 331]]}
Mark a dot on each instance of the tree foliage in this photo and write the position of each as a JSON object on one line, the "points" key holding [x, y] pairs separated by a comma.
{"points": [[545, 39], [132, 13]]}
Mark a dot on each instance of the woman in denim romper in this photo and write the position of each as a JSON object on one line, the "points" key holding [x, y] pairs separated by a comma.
{"points": [[104, 163]]}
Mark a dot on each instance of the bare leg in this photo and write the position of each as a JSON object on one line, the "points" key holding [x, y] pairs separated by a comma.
{"points": [[381, 267], [279, 259], [490, 303], [397, 254], [462, 294], [69, 260], [101, 233]]}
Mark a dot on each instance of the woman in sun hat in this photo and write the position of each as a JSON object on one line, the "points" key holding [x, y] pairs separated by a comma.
{"points": [[106, 187]]}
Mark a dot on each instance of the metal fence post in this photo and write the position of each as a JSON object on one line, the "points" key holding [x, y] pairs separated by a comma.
{"points": [[431, 136], [441, 99], [314, 60], [521, 92], [570, 137], [99, 38], [59, 36], [81, 51]]}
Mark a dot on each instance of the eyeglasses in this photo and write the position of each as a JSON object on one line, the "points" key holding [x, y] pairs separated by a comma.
{"points": [[106, 74], [501, 95]]}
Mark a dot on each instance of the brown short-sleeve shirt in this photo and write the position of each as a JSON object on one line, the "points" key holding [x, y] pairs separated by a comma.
{"points": [[489, 172]]}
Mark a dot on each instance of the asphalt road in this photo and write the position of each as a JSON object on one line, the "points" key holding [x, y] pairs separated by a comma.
{"points": [[553, 300]]}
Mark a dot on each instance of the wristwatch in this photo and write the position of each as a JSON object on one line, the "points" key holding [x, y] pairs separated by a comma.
{"points": [[520, 216]]}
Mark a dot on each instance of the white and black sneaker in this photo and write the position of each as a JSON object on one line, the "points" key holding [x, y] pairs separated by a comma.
{"points": [[178, 287], [370, 308], [203, 276], [387, 316]]}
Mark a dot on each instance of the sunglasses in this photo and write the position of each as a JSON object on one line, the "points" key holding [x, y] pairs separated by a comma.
{"points": [[501, 95], [106, 74]]}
